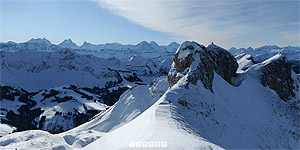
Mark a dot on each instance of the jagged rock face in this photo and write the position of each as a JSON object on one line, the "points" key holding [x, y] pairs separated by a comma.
{"points": [[179, 66], [204, 72], [183, 59], [226, 65], [277, 76], [202, 63]]}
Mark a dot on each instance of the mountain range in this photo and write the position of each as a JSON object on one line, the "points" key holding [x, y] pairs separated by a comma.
{"points": [[35, 77], [123, 96], [45, 44]]}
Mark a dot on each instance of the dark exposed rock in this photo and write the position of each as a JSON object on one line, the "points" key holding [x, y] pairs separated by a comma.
{"points": [[52, 93], [8, 93], [133, 78], [296, 66], [108, 97], [111, 97], [204, 72], [226, 65], [24, 120], [41, 122], [64, 99], [179, 66], [277, 75], [81, 118]]}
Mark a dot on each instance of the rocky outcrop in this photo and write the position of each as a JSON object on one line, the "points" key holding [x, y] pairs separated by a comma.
{"points": [[203, 72], [226, 65], [277, 75], [201, 63]]}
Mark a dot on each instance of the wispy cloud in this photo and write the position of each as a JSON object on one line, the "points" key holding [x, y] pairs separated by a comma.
{"points": [[227, 23]]}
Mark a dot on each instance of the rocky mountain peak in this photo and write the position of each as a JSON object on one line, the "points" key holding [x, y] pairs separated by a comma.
{"points": [[201, 63], [226, 65], [190, 57]]}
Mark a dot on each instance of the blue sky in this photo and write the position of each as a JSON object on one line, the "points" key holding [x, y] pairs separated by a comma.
{"points": [[230, 23]]}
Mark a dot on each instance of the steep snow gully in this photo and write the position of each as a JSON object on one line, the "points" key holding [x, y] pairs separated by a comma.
{"points": [[209, 100]]}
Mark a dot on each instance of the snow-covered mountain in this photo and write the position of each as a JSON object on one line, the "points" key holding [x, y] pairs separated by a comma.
{"points": [[68, 43], [34, 70], [209, 100], [37, 67], [292, 53], [33, 44]]}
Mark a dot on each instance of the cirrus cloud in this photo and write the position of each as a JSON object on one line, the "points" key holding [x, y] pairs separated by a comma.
{"points": [[227, 23]]}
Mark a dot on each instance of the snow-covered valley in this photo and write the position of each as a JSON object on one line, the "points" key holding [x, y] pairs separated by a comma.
{"points": [[114, 96]]}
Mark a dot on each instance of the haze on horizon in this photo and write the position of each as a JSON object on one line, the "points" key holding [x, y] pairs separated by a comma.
{"points": [[226, 23]]}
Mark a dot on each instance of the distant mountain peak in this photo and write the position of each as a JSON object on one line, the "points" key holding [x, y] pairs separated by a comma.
{"points": [[68, 43], [143, 43], [173, 43], [40, 40], [212, 46], [85, 43], [153, 42]]}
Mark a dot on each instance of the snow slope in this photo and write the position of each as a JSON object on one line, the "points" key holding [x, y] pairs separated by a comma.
{"points": [[156, 124], [132, 103]]}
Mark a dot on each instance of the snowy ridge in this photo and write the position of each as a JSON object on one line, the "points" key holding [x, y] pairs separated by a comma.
{"points": [[244, 61], [292, 53], [132, 103]]}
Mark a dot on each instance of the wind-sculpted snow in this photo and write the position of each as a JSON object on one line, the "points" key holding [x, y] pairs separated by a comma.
{"points": [[245, 61]]}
